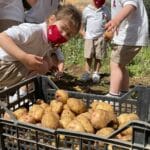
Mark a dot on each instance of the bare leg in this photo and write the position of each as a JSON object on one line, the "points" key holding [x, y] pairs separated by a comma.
{"points": [[88, 64], [116, 77], [97, 65], [125, 81]]}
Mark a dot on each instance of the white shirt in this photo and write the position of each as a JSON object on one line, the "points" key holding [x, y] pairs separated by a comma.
{"points": [[133, 30], [41, 10], [94, 20], [12, 10], [31, 38]]}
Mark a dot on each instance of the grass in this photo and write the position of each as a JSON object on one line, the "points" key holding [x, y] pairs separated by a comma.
{"points": [[73, 51]]}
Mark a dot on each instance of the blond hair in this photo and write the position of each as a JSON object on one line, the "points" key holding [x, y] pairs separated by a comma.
{"points": [[71, 14]]}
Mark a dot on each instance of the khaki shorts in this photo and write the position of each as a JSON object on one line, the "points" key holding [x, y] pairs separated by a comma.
{"points": [[5, 24], [95, 48], [11, 73], [124, 54]]}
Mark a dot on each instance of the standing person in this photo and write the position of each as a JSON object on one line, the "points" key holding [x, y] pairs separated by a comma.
{"points": [[95, 16], [11, 13], [130, 26], [30, 44], [40, 10]]}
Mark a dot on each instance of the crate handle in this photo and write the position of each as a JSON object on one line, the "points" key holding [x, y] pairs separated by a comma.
{"points": [[53, 84], [12, 116]]}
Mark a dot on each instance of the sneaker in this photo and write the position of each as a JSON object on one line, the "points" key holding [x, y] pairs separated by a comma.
{"points": [[85, 77], [112, 95], [95, 77], [116, 104]]}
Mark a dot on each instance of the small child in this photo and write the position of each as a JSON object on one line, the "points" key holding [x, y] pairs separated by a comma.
{"points": [[130, 26], [95, 16], [25, 47]]}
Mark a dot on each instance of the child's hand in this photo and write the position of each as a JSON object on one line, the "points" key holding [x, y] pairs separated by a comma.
{"points": [[59, 75], [112, 25], [36, 63]]}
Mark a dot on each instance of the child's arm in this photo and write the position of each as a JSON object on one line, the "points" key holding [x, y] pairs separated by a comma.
{"points": [[113, 24], [82, 30], [32, 62]]}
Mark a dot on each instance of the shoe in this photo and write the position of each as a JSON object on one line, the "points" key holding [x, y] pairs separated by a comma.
{"points": [[112, 95], [85, 77], [15, 96], [115, 104], [95, 77]]}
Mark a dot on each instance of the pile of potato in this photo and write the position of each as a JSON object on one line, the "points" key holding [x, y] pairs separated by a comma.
{"points": [[73, 114]]}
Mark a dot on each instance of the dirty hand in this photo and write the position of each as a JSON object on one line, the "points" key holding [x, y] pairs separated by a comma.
{"points": [[59, 75], [34, 62]]}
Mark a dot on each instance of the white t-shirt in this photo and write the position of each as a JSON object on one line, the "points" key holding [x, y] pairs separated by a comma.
{"points": [[133, 31], [31, 38], [94, 21], [12, 10], [41, 10]]}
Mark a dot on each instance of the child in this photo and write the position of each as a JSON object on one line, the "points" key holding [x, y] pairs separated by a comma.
{"points": [[95, 15], [130, 26], [23, 47], [37, 14]]}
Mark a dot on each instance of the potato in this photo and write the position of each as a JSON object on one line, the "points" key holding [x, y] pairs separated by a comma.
{"points": [[20, 112], [48, 109], [85, 123], [104, 106], [125, 118], [101, 105], [76, 105], [66, 107], [100, 118], [75, 125], [65, 121], [42, 103], [124, 137], [105, 131], [50, 120], [67, 113], [27, 118], [87, 115], [94, 104], [61, 96], [128, 131], [108, 35], [36, 111], [56, 106]]}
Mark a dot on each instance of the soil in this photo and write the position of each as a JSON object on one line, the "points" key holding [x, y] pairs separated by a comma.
{"points": [[71, 81]]}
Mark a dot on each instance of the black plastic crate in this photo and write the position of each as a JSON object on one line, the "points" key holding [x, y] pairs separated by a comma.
{"points": [[13, 134]]}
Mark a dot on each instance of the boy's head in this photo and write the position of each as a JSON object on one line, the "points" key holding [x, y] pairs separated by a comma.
{"points": [[64, 24], [98, 3]]}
